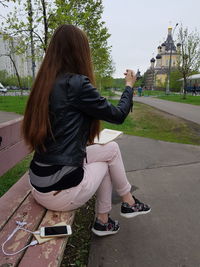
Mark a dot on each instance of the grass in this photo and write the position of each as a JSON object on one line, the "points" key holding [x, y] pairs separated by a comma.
{"points": [[13, 175], [17, 103], [145, 121], [106, 93], [194, 100], [149, 122], [77, 249], [152, 93], [13, 103]]}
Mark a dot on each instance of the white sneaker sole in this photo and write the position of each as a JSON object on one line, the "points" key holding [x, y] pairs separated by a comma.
{"points": [[104, 233], [134, 214]]}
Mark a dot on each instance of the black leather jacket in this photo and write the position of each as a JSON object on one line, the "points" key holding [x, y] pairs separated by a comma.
{"points": [[74, 102]]}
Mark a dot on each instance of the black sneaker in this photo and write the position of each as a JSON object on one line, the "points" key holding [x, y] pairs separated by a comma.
{"points": [[138, 208], [103, 229]]}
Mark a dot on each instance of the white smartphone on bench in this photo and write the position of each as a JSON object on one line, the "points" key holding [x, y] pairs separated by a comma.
{"points": [[56, 231]]}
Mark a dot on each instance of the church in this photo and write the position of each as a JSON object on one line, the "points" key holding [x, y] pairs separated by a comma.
{"points": [[156, 75]]}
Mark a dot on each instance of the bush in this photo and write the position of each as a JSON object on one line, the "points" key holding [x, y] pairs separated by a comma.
{"points": [[7, 80]]}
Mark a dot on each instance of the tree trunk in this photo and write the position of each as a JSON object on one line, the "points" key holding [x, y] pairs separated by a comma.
{"points": [[17, 73], [184, 87], [30, 17], [45, 24]]}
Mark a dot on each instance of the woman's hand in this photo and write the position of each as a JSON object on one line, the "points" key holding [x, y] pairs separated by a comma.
{"points": [[130, 78]]}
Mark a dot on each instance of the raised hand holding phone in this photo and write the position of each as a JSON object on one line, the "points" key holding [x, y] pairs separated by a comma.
{"points": [[130, 77]]}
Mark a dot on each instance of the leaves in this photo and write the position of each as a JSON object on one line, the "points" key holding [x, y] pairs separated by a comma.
{"points": [[87, 14], [189, 54], [33, 22]]}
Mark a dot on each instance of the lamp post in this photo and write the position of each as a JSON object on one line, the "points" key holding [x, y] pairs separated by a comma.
{"points": [[138, 75], [170, 62]]}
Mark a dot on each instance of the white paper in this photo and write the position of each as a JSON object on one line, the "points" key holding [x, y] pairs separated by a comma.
{"points": [[106, 136]]}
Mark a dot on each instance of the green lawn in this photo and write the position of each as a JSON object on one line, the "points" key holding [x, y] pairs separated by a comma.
{"points": [[144, 121], [106, 93], [152, 93], [13, 103], [194, 100], [13, 175]]}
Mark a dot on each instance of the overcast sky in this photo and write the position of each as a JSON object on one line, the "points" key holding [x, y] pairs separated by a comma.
{"points": [[138, 27]]}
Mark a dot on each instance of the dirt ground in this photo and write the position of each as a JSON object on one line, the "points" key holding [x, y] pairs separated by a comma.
{"points": [[77, 249]]}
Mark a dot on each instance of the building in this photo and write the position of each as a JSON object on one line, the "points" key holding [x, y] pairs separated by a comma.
{"points": [[156, 75], [22, 62]]}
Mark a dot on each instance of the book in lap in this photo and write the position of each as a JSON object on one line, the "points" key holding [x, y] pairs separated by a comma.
{"points": [[106, 136]]}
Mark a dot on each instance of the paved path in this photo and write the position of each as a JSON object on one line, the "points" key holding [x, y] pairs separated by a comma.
{"points": [[185, 111], [7, 116], [165, 175]]}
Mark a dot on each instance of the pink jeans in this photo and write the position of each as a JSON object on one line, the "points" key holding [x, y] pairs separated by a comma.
{"points": [[104, 169]]}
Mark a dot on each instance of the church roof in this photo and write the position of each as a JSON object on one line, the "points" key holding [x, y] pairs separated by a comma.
{"points": [[158, 56], [169, 43]]}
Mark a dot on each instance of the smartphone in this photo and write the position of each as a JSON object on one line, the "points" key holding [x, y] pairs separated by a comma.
{"points": [[57, 231]]}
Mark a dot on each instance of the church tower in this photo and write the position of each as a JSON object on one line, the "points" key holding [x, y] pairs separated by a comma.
{"points": [[165, 51]]}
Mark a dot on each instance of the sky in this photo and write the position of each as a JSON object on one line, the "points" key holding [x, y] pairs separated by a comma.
{"points": [[137, 28]]}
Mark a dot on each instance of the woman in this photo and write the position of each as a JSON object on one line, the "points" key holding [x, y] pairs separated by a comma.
{"points": [[61, 119]]}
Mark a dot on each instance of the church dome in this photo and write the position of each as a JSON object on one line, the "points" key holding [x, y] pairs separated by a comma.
{"points": [[179, 44], [163, 44], [153, 60], [159, 47], [158, 56]]}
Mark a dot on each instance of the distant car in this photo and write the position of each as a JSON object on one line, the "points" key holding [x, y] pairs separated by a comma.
{"points": [[12, 87], [3, 89]]}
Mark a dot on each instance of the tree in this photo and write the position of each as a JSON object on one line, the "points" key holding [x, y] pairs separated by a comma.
{"points": [[10, 54], [189, 54], [175, 84], [42, 18], [3, 3], [118, 83], [30, 20], [87, 14], [28, 23]]}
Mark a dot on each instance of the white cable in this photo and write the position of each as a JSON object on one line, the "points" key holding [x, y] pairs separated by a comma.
{"points": [[35, 233], [19, 227], [33, 243]]}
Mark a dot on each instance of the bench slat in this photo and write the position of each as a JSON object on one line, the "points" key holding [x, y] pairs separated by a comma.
{"points": [[12, 155], [18, 205], [30, 212], [49, 253], [10, 132], [11, 201]]}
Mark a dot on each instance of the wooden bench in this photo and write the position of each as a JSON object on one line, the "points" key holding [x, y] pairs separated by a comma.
{"points": [[18, 205]]}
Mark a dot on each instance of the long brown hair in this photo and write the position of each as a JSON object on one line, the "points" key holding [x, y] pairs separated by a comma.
{"points": [[68, 52]]}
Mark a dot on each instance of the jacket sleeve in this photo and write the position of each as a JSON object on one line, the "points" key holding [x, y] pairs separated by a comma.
{"points": [[89, 101]]}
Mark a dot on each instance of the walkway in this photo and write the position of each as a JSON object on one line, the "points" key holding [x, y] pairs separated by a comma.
{"points": [[165, 175], [185, 111], [7, 116]]}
